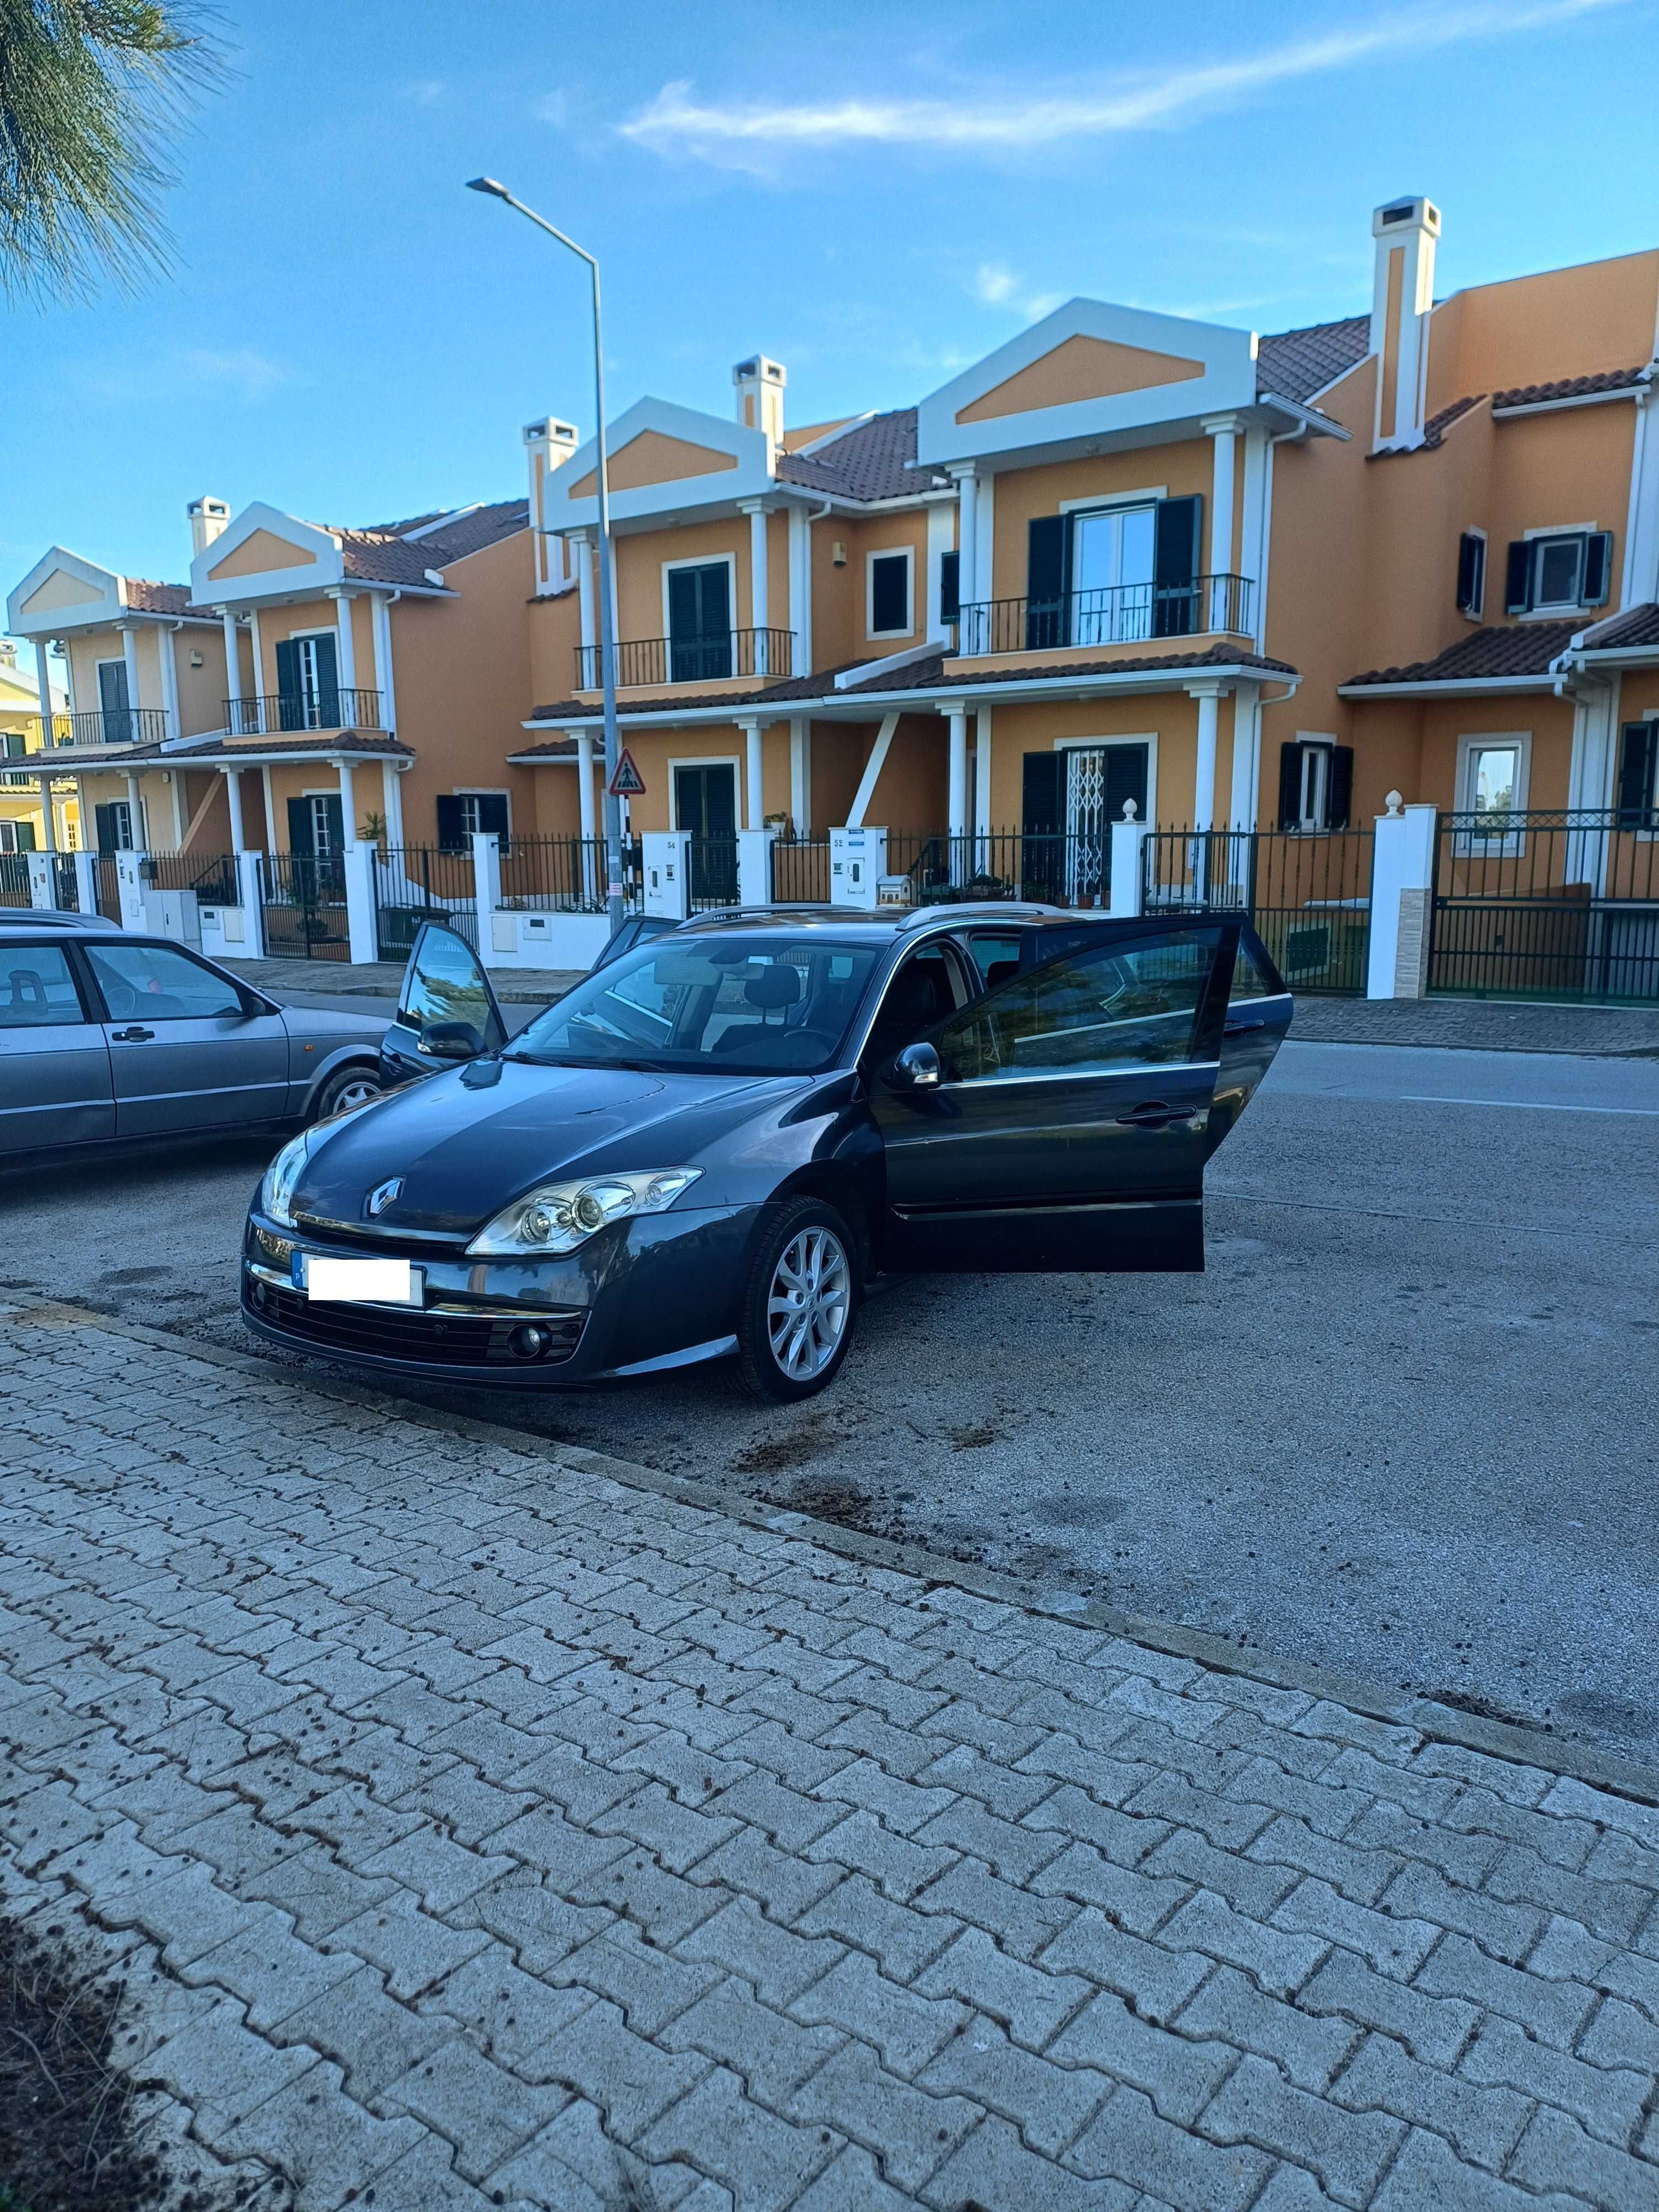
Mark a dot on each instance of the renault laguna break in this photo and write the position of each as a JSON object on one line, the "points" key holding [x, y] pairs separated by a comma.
{"points": [[713, 1143]]}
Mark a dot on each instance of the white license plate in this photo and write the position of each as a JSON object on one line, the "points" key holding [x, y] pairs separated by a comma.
{"points": [[359, 1282]]}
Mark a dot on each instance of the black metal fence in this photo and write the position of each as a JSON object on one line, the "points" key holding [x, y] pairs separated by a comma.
{"points": [[109, 887], [339, 707], [303, 907], [16, 888], [65, 883], [1053, 868], [1121, 614], [712, 865], [1546, 905], [415, 883], [211, 876], [1307, 892], [800, 872], [703, 658], [113, 725], [563, 875]]}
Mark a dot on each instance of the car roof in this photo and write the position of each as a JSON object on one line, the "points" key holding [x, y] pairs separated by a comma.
{"points": [[36, 919], [889, 922]]}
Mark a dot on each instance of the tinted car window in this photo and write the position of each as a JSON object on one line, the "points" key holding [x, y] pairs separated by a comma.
{"points": [[444, 983], [1249, 981], [1105, 1008], [160, 983], [996, 957], [37, 990], [748, 1004]]}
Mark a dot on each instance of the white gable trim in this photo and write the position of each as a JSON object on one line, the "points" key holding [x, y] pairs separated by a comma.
{"points": [[1227, 383], [751, 479], [56, 622], [307, 577]]}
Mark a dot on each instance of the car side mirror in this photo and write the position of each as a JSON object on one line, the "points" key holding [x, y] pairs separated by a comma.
{"points": [[451, 1040], [916, 1068]]}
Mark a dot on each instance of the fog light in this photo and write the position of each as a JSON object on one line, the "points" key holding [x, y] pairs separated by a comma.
{"points": [[261, 1295], [527, 1342]]}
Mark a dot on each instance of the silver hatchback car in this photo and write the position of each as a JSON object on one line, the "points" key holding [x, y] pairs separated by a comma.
{"points": [[107, 1037]]}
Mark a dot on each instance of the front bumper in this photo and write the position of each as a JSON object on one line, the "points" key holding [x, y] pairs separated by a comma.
{"points": [[659, 1291]]}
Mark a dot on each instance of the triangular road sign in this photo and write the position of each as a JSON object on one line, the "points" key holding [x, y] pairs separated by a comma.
{"points": [[628, 782]]}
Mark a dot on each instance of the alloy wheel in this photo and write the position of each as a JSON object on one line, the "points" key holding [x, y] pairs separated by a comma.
{"points": [[808, 1305], [356, 1094]]}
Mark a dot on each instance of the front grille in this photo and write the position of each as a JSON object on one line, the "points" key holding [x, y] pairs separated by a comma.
{"points": [[449, 1339]]}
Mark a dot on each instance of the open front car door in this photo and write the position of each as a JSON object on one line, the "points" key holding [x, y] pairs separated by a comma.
{"points": [[1062, 1121], [447, 1011]]}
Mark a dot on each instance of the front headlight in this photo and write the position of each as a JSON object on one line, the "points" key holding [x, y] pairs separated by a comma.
{"points": [[277, 1191], [560, 1216]]}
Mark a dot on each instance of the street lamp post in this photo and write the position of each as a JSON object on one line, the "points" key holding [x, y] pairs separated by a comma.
{"points": [[607, 637]]}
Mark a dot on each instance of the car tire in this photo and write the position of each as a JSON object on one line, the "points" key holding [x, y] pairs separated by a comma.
{"points": [[347, 1086], [806, 1255]]}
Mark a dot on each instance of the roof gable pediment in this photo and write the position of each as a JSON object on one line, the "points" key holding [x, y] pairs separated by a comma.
{"points": [[61, 591], [660, 459], [263, 553], [1087, 370]]}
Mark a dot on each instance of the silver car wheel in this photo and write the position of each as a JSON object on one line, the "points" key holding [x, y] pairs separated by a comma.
{"points": [[357, 1093], [808, 1305]]}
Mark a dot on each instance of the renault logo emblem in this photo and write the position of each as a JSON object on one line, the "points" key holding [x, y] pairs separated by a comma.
{"points": [[381, 1198]]}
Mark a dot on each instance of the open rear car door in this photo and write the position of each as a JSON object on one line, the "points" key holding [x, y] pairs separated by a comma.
{"points": [[447, 1011]]}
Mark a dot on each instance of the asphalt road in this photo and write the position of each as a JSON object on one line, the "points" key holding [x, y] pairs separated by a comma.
{"points": [[1406, 1425]]}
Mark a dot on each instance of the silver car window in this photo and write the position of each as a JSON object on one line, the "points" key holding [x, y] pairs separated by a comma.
{"points": [[162, 984], [37, 990]]}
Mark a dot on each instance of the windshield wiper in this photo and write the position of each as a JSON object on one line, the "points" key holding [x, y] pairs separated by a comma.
{"points": [[595, 1060]]}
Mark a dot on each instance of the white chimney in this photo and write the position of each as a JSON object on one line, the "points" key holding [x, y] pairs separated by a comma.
{"points": [[760, 385], [1402, 295], [207, 517], [548, 446]]}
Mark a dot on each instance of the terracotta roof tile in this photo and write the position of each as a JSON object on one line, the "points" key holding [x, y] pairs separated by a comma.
{"points": [[1434, 430], [930, 675], [874, 460], [1570, 387], [146, 598], [1521, 649], [1295, 364], [308, 745], [1636, 626]]}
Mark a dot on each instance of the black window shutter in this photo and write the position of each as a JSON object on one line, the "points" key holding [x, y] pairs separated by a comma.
{"points": [[1341, 786], [1045, 626], [288, 668], [451, 838], [1179, 528], [1517, 589], [300, 840], [1040, 793], [950, 586], [492, 815], [1638, 771], [684, 612], [1598, 561], [1471, 561], [1126, 778], [1290, 785], [328, 684], [26, 836], [105, 818]]}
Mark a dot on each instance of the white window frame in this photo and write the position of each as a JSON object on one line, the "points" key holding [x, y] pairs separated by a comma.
{"points": [[121, 812], [1477, 611], [907, 554], [1479, 741], [733, 761], [463, 791], [1641, 714], [1321, 743], [309, 700], [1556, 609]]}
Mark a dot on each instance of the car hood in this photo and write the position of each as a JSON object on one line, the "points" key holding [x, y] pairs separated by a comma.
{"points": [[466, 1141]]}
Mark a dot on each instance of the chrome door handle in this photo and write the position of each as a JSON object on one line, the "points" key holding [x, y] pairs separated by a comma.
{"points": [[1237, 1029], [134, 1036], [1154, 1114]]}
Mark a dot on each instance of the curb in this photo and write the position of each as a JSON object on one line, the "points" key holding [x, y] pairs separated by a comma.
{"points": [[1518, 1744]]}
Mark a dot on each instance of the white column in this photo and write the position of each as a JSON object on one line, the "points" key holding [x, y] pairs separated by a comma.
{"points": [[136, 813], [583, 547], [1224, 432], [585, 784], [800, 590], [270, 807], [967, 536], [983, 823], [234, 669], [1403, 881], [380, 609], [345, 649], [80, 810], [760, 597], [167, 647], [43, 677], [249, 883], [800, 774], [956, 792], [359, 870], [130, 654], [755, 799], [1208, 696], [392, 798], [1247, 757], [348, 801], [1253, 527], [1128, 845], [259, 719], [232, 777]]}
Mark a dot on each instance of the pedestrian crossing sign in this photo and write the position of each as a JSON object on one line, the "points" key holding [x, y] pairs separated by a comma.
{"points": [[628, 782]]}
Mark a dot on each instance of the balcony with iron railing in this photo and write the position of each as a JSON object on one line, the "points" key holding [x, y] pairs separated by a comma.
{"points": [[1121, 614], [274, 713], [113, 725], [704, 657]]}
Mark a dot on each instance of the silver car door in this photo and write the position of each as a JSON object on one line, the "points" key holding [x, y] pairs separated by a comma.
{"points": [[186, 1049], [55, 1085]]}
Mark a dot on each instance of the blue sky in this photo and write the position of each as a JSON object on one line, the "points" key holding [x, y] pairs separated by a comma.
{"points": [[875, 195]]}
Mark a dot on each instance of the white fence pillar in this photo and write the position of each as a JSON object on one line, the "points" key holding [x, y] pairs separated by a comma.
{"points": [[1403, 888], [130, 875], [42, 891], [858, 861], [1128, 844], [358, 862], [667, 860], [86, 882], [754, 866], [250, 881]]}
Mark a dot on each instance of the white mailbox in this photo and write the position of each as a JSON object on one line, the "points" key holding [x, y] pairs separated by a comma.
{"points": [[667, 854], [858, 861]]}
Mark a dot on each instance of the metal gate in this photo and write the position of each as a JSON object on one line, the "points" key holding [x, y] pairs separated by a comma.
{"points": [[1307, 892], [303, 905], [416, 883], [800, 872], [711, 865], [1546, 905], [109, 887], [14, 887]]}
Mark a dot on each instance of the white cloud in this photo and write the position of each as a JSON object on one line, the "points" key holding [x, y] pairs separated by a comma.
{"points": [[678, 122], [999, 287]]}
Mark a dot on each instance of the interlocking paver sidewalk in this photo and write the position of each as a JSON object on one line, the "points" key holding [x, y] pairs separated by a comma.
{"points": [[480, 1823]]}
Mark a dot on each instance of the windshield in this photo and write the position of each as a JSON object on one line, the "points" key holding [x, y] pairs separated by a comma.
{"points": [[748, 1005]]}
